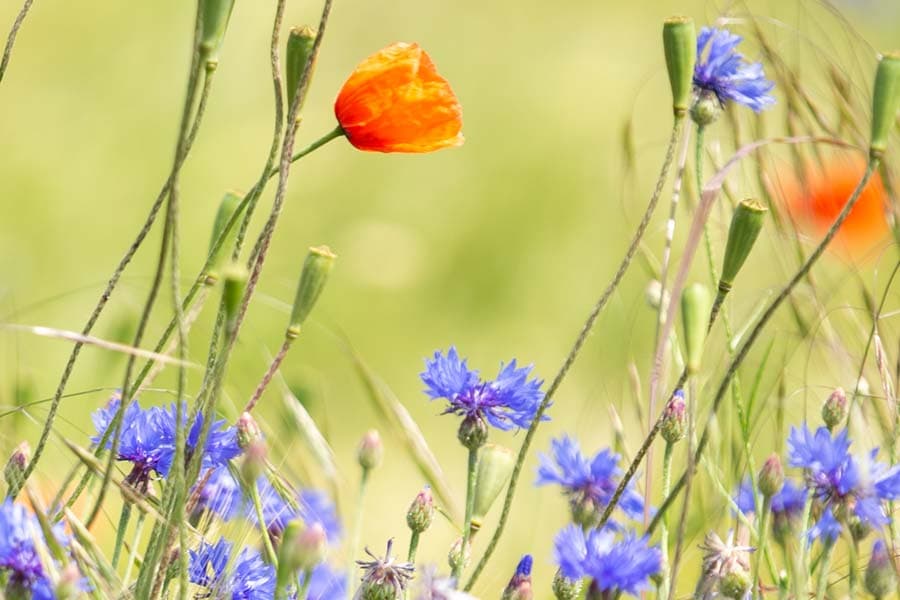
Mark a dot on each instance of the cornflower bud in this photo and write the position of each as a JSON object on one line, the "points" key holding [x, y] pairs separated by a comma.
{"points": [[316, 268], [885, 102], [735, 585], [248, 431], [565, 588], [746, 223], [834, 411], [69, 586], [674, 420], [706, 109], [695, 306], [421, 512], [227, 207], [680, 45], [473, 432], [309, 547], [370, 450], [771, 476], [214, 22], [519, 586], [881, 579], [384, 578], [254, 463], [299, 52], [495, 467], [15, 467], [458, 557]]}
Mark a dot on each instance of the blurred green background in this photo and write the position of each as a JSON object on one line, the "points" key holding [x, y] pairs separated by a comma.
{"points": [[499, 247]]}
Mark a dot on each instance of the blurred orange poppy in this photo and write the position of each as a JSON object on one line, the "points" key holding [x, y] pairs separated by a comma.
{"points": [[395, 101], [815, 202]]}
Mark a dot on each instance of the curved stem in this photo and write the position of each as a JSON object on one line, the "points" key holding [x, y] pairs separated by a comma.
{"points": [[272, 558], [270, 373], [763, 321], [763, 545], [576, 348], [11, 39], [824, 564]]}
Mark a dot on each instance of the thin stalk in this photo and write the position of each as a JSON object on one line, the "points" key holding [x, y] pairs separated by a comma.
{"points": [[801, 573], [763, 544], [124, 517], [471, 476], [664, 531], [682, 523], [270, 372], [576, 348], [132, 553], [413, 546], [11, 39], [853, 565], [825, 563], [357, 523], [303, 592], [272, 558], [59, 394], [763, 321]]}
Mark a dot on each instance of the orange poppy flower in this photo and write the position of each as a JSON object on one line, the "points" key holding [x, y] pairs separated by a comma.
{"points": [[395, 101], [815, 203]]}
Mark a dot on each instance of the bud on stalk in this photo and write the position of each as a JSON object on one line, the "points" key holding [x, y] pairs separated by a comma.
{"points": [[680, 45]]}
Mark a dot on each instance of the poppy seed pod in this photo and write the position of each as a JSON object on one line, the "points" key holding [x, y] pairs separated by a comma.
{"points": [[299, 52], [214, 16], [885, 102], [495, 467], [227, 208], [746, 223], [316, 269], [695, 306], [680, 45], [232, 293]]}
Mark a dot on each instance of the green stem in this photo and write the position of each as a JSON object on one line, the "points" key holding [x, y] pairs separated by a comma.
{"points": [[664, 531], [853, 566], [357, 525], [413, 546], [691, 409], [132, 553], [763, 544], [11, 39], [822, 581], [270, 373], [124, 517], [471, 475], [576, 348], [253, 489], [303, 592], [760, 325]]}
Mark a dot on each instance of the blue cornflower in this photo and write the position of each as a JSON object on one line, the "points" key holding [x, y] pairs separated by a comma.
{"points": [[624, 565], [326, 584], [848, 484], [721, 71], [588, 483], [789, 501], [20, 560], [223, 495], [827, 529], [251, 578], [148, 440], [509, 401]]}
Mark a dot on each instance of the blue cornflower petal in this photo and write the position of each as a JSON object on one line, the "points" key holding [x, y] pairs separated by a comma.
{"points": [[570, 552], [326, 584], [20, 557], [744, 497], [827, 529], [790, 500], [251, 578], [721, 70], [508, 402], [888, 484], [580, 478]]}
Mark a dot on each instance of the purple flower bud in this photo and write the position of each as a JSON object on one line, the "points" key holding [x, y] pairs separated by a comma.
{"points": [[519, 587], [881, 579], [371, 450], [248, 430], [15, 468], [834, 411], [473, 432], [674, 421], [771, 476], [421, 511], [384, 578]]}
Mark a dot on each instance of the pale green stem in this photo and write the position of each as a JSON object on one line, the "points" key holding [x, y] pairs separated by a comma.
{"points": [[253, 490], [135, 544], [763, 544], [124, 517], [471, 475], [357, 527], [576, 348], [664, 530]]}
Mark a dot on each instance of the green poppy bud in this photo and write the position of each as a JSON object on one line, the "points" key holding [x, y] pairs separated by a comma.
{"points": [[885, 101], [746, 223], [695, 306], [495, 467], [680, 45], [315, 272], [214, 16], [232, 294], [227, 207], [299, 52]]}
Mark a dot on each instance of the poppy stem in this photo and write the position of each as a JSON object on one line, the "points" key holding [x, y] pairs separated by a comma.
{"points": [[11, 39], [576, 348], [760, 325]]}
